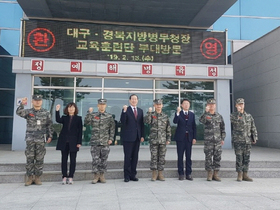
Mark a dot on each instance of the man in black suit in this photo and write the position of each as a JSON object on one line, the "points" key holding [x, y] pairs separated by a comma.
{"points": [[185, 137], [132, 133]]}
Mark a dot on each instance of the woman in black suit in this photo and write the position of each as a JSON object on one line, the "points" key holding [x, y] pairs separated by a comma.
{"points": [[70, 139]]}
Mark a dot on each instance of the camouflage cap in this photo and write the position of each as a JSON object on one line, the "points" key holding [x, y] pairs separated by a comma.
{"points": [[37, 97], [102, 101], [240, 101], [211, 101], [157, 101]]}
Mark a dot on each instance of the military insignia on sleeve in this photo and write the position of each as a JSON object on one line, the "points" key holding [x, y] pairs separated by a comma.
{"points": [[96, 118], [208, 118], [31, 115], [154, 117]]}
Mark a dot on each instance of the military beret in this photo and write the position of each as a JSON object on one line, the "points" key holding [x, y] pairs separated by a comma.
{"points": [[240, 101], [102, 101], [211, 101], [37, 97], [157, 101]]}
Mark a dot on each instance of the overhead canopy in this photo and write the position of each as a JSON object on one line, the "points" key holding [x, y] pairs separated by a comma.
{"points": [[182, 13]]}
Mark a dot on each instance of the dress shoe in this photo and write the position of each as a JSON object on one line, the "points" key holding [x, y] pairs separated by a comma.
{"points": [[181, 177], [189, 177], [126, 180], [135, 179]]}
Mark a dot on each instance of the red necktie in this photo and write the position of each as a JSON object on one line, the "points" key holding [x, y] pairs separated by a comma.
{"points": [[186, 115], [135, 113]]}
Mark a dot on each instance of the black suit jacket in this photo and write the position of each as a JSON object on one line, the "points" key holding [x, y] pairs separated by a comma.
{"points": [[132, 129], [73, 135], [183, 126]]}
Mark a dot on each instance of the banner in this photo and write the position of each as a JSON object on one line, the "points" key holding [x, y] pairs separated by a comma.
{"points": [[89, 41]]}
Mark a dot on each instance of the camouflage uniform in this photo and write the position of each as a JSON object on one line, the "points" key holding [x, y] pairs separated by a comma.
{"points": [[103, 129], [243, 132], [38, 130], [160, 133], [214, 134]]}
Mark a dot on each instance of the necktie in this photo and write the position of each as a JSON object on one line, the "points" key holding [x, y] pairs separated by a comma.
{"points": [[135, 113], [186, 115]]}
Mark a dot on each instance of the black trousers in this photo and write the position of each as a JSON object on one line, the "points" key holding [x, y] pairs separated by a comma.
{"points": [[131, 150], [64, 160], [184, 146]]}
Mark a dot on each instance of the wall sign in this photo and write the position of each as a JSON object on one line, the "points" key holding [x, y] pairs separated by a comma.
{"points": [[89, 41], [147, 69], [76, 66], [112, 68], [37, 65], [180, 70], [212, 71]]}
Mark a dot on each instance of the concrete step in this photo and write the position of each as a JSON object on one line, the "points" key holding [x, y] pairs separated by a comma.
{"points": [[81, 175], [20, 167]]}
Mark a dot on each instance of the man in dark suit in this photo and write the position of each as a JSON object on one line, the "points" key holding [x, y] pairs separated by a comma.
{"points": [[185, 137], [132, 133]]}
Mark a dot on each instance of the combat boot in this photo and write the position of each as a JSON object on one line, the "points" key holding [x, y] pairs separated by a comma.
{"points": [[160, 176], [29, 180], [216, 177], [154, 175], [37, 180], [102, 178], [95, 178], [246, 177], [209, 175], [239, 176]]}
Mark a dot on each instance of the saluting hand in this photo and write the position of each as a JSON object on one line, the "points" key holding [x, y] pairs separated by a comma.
{"points": [[57, 107], [124, 108], [90, 110], [24, 101], [150, 109], [178, 109], [207, 109]]}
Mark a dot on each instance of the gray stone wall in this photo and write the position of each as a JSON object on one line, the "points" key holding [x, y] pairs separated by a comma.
{"points": [[256, 78]]}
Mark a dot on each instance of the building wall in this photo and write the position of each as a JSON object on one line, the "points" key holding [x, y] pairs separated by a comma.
{"points": [[130, 70], [257, 79], [7, 90]]}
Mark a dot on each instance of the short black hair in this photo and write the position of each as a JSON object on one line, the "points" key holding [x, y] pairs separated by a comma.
{"points": [[185, 99], [132, 95]]}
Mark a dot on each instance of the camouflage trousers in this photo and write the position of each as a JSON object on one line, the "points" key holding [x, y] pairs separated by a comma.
{"points": [[99, 155], [158, 152], [35, 153], [242, 152], [213, 153]]}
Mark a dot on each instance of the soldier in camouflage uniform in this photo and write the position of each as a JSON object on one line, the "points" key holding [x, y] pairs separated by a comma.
{"points": [[102, 135], [244, 134], [214, 135], [39, 131], [160, 136]]}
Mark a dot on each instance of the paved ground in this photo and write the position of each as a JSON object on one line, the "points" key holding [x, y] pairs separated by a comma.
{"points": [[145, 194]]}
